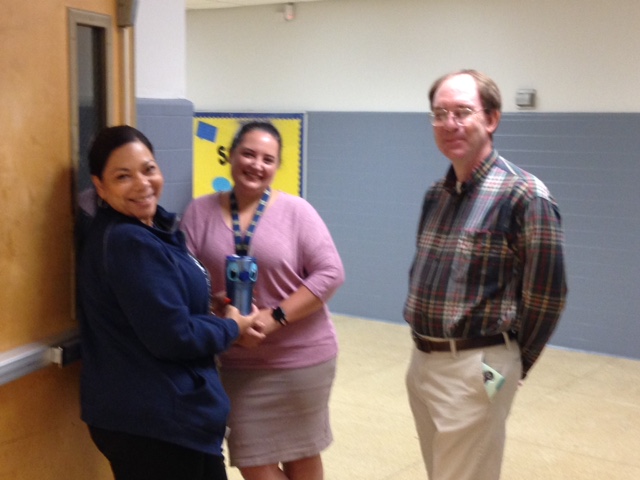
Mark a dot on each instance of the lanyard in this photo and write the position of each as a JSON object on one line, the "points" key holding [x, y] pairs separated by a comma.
{"points": [[242, 243]]}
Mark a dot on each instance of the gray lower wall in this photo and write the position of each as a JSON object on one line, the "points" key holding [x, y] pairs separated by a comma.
{"points": [[169, 126], [367, 173]]}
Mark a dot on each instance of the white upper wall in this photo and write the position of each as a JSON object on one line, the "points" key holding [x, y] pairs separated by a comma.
{"points": [[382, 55], [160, 49]]}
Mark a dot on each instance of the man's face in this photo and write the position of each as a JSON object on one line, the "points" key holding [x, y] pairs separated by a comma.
{"points": [[464, 141]]}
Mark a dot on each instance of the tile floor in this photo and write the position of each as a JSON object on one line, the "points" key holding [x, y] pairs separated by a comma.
{"points": [[577, 417]]}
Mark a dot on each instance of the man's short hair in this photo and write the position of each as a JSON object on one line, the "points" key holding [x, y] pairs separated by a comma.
{"points": [[487, 89]]}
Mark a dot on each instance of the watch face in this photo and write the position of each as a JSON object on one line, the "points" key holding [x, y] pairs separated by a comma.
{"points": [[279, 316]]}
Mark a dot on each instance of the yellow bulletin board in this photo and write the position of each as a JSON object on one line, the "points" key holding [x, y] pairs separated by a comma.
{"points": [[213, 134]]}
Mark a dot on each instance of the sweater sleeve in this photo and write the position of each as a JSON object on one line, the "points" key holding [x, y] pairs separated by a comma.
{"points": [[320, 258], [151, 290]]}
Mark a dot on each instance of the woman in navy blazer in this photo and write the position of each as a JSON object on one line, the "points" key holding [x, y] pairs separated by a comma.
{"points": [[150, 392]]}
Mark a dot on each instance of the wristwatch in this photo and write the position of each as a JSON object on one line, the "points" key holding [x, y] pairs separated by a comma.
{"points": [[279, 316]]}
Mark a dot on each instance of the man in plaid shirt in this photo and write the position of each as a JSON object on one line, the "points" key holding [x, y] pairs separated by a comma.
{"points": [[486, 288]]}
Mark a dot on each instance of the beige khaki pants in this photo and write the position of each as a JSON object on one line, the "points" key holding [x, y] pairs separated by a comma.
{"points": [[461, 430]]}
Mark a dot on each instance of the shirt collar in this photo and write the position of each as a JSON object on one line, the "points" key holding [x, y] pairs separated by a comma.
{"points": [[477, 176]]}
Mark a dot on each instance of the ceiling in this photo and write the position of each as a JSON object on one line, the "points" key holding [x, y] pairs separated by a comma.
{"points": [[200, 4]]}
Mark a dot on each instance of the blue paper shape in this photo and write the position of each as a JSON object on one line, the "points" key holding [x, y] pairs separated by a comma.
{"points": [[207, 132]]}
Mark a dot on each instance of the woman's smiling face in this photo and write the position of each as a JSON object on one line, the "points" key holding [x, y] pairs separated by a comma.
{"points": [[131, 182], [254, 162]]}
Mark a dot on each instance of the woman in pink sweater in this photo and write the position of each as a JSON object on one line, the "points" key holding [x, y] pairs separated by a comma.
{"points": [[279, 383]]}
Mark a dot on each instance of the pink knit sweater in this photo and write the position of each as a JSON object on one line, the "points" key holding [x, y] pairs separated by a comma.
{"points": [[293, 247]]}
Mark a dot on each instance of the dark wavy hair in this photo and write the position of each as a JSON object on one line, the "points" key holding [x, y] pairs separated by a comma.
{"points": [[109, 139], [256, 125]]}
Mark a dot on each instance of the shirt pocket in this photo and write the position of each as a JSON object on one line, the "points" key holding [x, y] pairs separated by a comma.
{"points": [[483, 258]]}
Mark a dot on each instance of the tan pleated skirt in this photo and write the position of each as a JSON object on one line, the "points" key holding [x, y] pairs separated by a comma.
{"points": [[278, 415]]}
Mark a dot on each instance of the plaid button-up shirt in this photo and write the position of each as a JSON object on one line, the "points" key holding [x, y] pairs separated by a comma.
{"points": [[489, 259]]}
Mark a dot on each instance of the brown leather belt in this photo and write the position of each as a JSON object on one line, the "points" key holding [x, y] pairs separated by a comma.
{"points": [[452, 345]]}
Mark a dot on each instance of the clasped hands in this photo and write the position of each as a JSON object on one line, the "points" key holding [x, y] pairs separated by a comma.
{"points": [[254, 327]]}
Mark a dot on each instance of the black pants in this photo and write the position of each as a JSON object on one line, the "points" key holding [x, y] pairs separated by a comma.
{"points": [[140, 458]]}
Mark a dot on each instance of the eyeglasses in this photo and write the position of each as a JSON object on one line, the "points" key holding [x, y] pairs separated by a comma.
{"points": [[460, 115]]}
